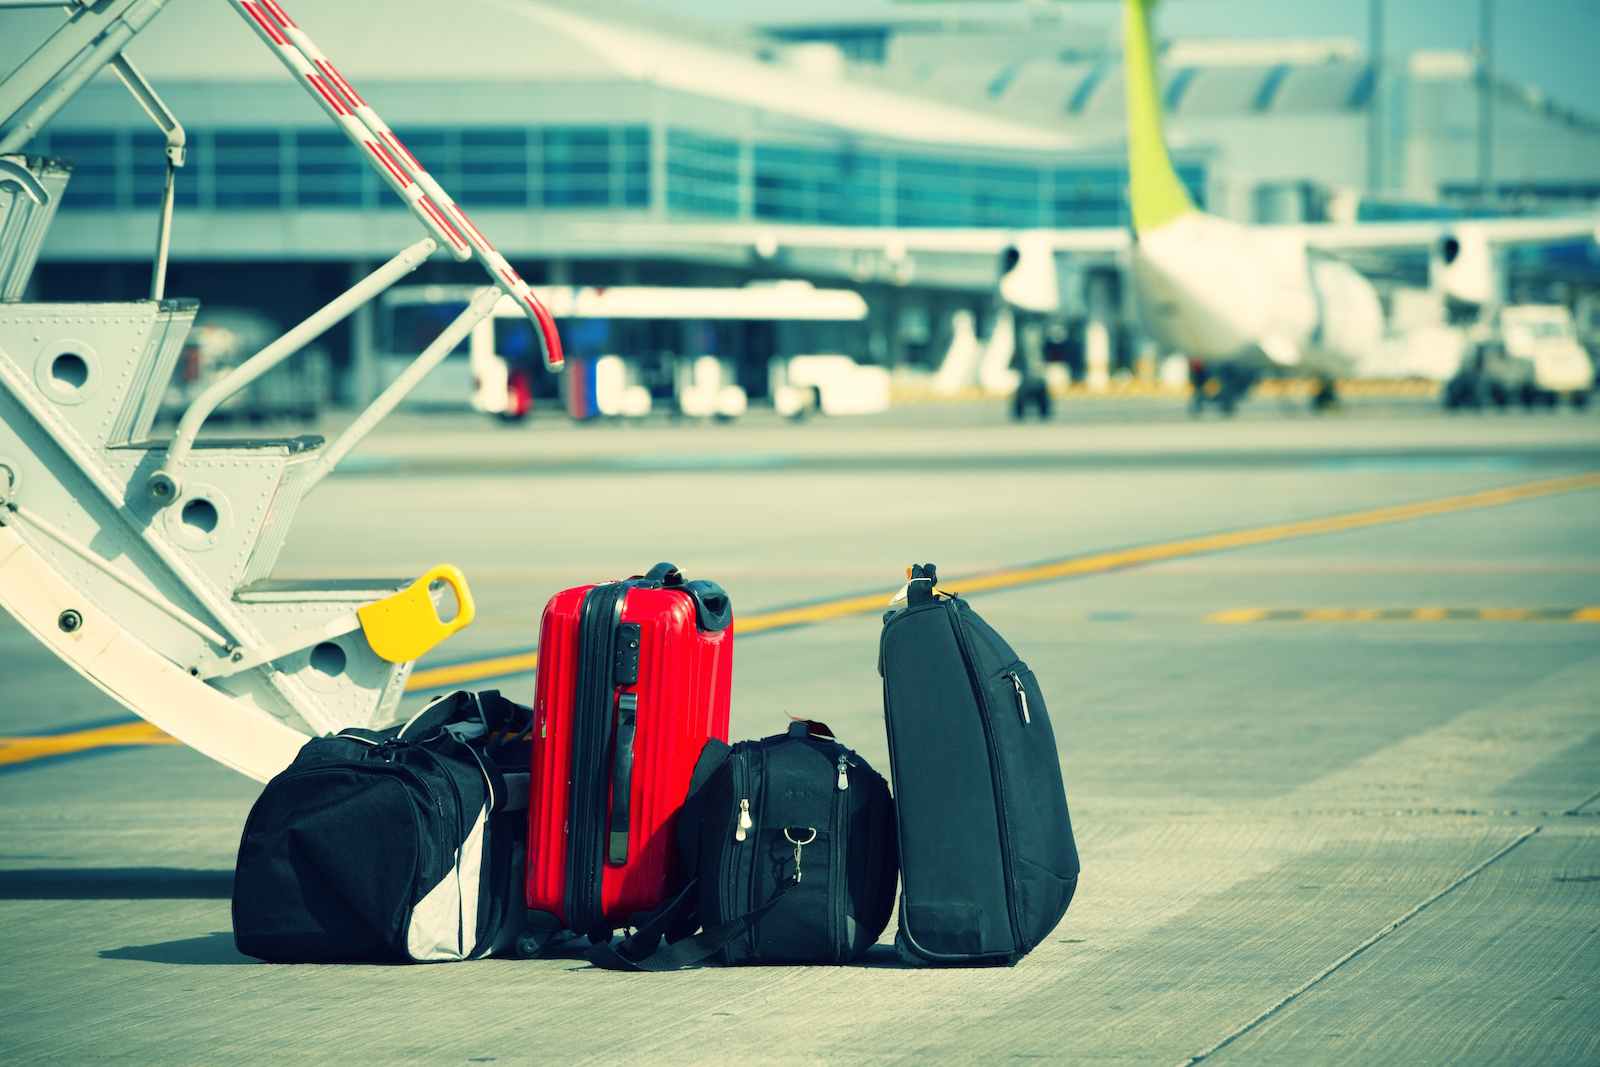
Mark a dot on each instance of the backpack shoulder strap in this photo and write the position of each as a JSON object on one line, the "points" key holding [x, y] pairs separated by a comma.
{"points": [[639, 953]]}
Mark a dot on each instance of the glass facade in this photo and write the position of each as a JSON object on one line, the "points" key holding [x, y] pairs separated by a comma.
{"points": [[556, 168]]}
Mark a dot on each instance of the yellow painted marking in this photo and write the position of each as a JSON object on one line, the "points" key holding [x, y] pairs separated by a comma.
{"points": [[1095, 563], [477, 670], [1238, 615], [1247, 615], [23, 749], [20, 749]]}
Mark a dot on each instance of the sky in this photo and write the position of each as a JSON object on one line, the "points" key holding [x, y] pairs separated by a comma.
{"points": [[1551, 44]]}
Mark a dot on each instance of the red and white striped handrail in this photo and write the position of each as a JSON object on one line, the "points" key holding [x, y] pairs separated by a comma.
{"points": [[434, 207]]}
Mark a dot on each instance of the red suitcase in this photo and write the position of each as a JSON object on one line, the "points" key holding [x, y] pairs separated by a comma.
{"points": [[634, 677]]}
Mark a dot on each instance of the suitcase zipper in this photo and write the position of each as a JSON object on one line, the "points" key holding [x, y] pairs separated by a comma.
{"points": [[591, 743], [1022, 697], [984, 714]]}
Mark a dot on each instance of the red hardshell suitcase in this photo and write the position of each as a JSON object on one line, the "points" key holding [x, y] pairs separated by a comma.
{"points": [[634, 677]]}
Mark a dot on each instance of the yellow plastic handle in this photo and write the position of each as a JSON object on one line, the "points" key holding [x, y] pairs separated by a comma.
{"points": [[404, 626]]}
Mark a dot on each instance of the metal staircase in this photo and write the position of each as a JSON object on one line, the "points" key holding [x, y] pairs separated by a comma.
{"points": [[147, 565]]}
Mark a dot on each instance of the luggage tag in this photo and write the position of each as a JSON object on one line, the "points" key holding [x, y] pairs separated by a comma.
{"points": [[399, 628]]}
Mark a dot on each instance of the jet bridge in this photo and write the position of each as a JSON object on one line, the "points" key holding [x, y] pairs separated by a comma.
{"points": [[147, 565]]}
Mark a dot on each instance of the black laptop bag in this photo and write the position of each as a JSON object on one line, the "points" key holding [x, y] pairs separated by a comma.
{"points": [[403, 845], [791, 839], [987, 861]]}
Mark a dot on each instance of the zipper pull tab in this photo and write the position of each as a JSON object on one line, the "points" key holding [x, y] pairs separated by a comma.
{"points": [[844, 779], [1022, 697], [744, 820]]}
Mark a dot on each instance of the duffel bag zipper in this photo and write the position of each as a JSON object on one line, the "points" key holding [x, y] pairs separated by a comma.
{"points": [[987, 718]]}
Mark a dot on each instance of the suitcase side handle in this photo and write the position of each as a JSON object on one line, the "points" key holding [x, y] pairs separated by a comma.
{"points": [[622, 777]]}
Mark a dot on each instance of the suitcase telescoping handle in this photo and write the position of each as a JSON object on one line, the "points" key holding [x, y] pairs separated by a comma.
{"points": [[622, 776]]}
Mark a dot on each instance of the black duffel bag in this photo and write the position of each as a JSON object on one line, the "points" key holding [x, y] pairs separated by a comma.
{"points": [[790, 841], [398, 845]]}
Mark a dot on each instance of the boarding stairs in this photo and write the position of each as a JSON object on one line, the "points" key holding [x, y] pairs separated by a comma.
{"points": [[147, 564]]}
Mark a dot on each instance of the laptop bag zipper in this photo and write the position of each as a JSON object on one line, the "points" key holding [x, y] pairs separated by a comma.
{"points": [[837, 884], [984, 714], [1022, 697]]}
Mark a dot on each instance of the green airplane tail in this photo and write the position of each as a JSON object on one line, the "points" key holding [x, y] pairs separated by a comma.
{"points": [[1157, 196]]}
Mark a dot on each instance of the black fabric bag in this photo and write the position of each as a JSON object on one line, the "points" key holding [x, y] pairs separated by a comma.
{"points": [[987, 860], [389, 846], [791, 840]]}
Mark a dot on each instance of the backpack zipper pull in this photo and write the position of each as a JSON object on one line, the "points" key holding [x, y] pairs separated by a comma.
{"points": [[744, 820], [1022, 697], [844, 780]]}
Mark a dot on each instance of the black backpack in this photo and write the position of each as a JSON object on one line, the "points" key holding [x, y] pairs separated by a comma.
{"points": [[987, 859], [791, 843], [391, 846]]}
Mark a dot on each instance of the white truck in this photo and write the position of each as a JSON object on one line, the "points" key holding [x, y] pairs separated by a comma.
{"points": [[1531, 355]]}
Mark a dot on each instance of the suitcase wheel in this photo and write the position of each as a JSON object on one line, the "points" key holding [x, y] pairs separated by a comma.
{"points": [[530, 942], [907, 957]]}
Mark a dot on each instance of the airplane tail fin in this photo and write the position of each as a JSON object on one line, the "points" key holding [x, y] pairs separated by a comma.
{"points": [[1157, 196]]}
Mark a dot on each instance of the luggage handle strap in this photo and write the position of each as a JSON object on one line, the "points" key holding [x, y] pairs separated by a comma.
{"points": [[639, 952], [622, 776]]}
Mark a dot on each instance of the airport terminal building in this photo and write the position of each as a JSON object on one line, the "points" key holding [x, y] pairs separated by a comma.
{"points": [[598, 144]]}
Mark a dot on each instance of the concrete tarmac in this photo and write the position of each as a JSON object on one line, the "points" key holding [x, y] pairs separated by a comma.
{"points": [[1303, 841]]}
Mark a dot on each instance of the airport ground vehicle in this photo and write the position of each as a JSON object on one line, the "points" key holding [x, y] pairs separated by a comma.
{"points": [[1529, 354], [634, 349]]}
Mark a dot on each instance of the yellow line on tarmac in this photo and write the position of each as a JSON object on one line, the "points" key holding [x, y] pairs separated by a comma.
{"points": [[473, 671], [1246, 615], [23, 749], [1078, 566]]}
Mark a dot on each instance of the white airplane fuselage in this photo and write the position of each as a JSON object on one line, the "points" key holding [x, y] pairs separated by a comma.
{"points": [[1219, 291]]}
